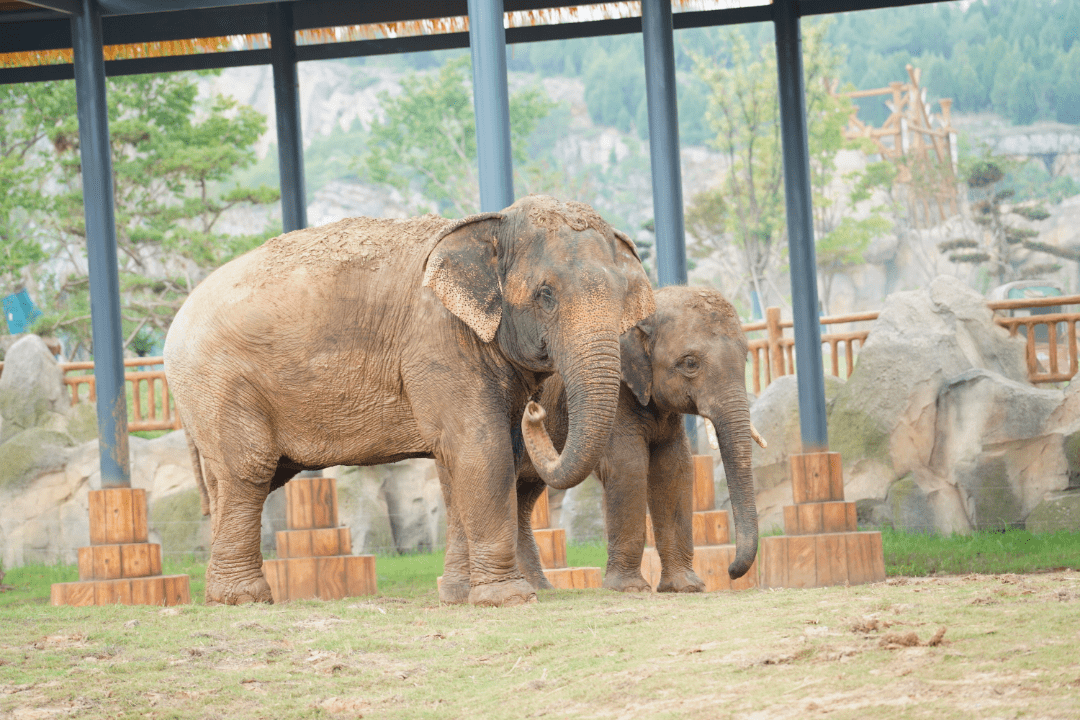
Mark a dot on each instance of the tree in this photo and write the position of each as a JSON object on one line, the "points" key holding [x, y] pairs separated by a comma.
{"points": [[29, 113], [172, 157], [743, 113], [998, 245], [747, 209], [427, 137]]}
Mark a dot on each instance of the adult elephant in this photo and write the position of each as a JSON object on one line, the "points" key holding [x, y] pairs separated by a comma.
{"points": [[689, 357], [370, 341]]}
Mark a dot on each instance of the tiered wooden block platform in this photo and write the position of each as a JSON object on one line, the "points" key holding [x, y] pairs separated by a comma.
{"points": [[713, 549], [315, 557], [822, 545], [552, 545], [120, 566]]}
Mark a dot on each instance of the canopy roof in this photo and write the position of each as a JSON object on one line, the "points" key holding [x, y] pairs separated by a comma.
{"points": [[140, 36]]}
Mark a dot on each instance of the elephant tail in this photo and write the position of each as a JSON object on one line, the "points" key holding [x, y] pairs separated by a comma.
{"points": [[196, 466]]}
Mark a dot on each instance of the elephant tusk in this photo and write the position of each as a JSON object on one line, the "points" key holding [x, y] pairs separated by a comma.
{"points": [[757, 437]]}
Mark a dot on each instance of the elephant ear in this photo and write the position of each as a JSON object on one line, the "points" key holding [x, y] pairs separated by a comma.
{"points": [[634, 349], [639, 296], [463, 271]]}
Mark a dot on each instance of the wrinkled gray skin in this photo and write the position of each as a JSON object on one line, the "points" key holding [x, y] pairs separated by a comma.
{"points": [[370, 341], [689, 357]]}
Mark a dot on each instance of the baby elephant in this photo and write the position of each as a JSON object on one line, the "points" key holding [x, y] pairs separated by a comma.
{"points": [[689, 357]]}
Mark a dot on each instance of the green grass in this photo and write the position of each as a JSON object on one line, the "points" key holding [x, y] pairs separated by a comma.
{"points": [[414, 575], [1012, 551]]}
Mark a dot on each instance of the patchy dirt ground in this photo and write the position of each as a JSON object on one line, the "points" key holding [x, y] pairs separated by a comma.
{"points": [[977, 646]]}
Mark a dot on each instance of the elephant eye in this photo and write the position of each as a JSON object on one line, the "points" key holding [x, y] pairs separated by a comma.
{"points": [[546, 297], [689, 364]]}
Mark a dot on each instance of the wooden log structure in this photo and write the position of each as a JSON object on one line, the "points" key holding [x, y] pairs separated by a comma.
{"points": [[821, 545], [314, 556], [713, 549], [120, 566], [552, 544]]}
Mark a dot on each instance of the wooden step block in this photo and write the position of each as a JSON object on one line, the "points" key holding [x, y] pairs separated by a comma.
{"points": [[820, 517], [322, 542], [711, 527], [804, 561], [574, 578], [109, 562], [328, 578], [541, 516], [158, 590], [117, 515], [311, 503], [817, 477], [710, 563], [552, 545], [704, 490]]}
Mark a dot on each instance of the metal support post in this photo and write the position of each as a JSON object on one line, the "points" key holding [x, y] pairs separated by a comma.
{"points": [[287, 104], [491, 101], [94, 149], [800, 227], [659, 40]]}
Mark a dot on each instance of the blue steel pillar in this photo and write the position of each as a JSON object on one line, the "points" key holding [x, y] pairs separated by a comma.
{"points": [[97, 183], [800, 225], [491, 101], [658, 37], [287, 104], [659, 40]]}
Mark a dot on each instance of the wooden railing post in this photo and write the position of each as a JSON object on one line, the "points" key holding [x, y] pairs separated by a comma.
{"points": [[775, 334]]}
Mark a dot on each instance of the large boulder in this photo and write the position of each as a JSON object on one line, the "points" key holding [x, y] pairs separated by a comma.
{"points": [[921, 340], [938, 427], [32, 392], [582, 512]]}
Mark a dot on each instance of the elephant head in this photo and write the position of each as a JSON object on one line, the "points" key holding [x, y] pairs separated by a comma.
{"points": [[690, 357], [553, 286]]}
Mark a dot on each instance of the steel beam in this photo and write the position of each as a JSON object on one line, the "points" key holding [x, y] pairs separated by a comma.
{"points": [[93, 114], [287, 104], [800, 228], [491, 100], [658, 37]]}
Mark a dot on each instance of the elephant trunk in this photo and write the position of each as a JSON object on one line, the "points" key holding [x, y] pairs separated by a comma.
{"points": [[733, 434], [589, 365]]}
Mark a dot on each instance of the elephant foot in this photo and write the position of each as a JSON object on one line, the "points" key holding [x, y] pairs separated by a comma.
{"points": [[502, 593], [541, 582], [626, 582], [453, 592], [222, 591], [683, 582], [537, 579]]}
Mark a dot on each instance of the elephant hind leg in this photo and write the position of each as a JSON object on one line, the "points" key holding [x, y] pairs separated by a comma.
{"points": [[528, 554], [234, 574]]}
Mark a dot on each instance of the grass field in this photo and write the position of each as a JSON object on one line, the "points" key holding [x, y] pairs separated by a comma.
{"points": [[945, 646]]}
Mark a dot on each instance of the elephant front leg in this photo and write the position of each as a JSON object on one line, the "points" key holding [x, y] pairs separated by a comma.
{"points": [[484, 496], [528, 554], [624, 506], [234, 574], [454, 586], [671, 505]]}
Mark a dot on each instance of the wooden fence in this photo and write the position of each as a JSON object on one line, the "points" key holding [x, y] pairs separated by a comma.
{"points": [[1052, 356], [1051, 341]]}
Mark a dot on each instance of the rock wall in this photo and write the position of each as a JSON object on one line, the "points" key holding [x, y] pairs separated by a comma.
{"points": [[938, 428]]}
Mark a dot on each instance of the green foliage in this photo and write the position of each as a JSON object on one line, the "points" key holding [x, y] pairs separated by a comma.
{"points": [[29, 114], [172, 160], [427, 138]]}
